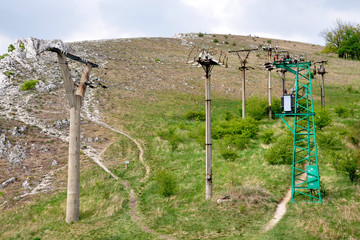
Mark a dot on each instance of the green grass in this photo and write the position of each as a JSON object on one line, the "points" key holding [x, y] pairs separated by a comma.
{"points": [[104, 213], [255, 186], [186, 213]]}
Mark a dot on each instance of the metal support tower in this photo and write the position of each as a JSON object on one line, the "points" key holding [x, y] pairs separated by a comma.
{"points": [[305, 169]]}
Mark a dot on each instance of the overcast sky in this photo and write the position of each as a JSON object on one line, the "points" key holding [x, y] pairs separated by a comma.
{"points": [[75, 20]]}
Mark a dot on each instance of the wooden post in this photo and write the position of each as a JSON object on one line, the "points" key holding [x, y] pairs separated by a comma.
{"points": [[75, 100], [208, 133]]}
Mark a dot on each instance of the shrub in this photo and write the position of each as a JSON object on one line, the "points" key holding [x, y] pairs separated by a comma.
{"points": [[3, 56], [269, 41], [172, 137], [228, 154], [281, 152], [276, 106], [28, 85], [157, 59], [226, 42], [267, 136], [342, 112], [22, 46], [354, 134], [329, 141], [198, 134], [9, 73], [348, 163], [322, 119], [215, 40], [200, 34], [11, 48], [236, 126], [167, 183], [238, 141], [257, 108], [228, 116], [195, 116]]}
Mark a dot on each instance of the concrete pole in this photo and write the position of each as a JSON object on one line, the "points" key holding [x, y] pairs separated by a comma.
{"points": [[208, 133], [270, 111], [73, 188], [243, 91]]}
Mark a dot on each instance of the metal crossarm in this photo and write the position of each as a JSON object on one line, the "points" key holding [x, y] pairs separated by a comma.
{"points": [[305, 169]]}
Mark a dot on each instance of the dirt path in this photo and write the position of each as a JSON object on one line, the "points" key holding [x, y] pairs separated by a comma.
{"points": [[281, 209], [94, 116], [279, 212]]}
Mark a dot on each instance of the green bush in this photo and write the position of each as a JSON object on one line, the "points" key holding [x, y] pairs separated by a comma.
{"points": [[200, 34], [354, 134], [28, 85], [195, 116], [11, 48], [3, 56], [22, 46], [9, 73], [329, 141], [342, 112], [157, 59], [281, 152], [172, 137], [236, 126], [267, 136], [167, 183], [228, 154], [215, 40], [236, 132], [322, 119], [238, 141], [349, 163], [228, 116], [276, 106], [198, 133], [257, 108]]}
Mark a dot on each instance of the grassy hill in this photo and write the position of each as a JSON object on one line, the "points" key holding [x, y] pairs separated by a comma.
{"points": [[151, 90]]}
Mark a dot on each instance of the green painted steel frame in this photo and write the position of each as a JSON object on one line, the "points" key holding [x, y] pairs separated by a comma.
{"points": [[304, 137]]}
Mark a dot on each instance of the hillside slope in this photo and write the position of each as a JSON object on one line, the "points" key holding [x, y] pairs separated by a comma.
{"points": [[150, 90]]}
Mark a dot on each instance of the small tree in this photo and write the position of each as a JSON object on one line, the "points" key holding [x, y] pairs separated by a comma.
{"points": [[348, 163], [322, 119]]}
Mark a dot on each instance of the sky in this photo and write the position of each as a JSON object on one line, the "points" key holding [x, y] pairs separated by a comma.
{"points": [[76, 20]]}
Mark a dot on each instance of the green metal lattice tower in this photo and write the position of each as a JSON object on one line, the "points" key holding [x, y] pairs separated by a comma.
{"points": [[305, 168]]}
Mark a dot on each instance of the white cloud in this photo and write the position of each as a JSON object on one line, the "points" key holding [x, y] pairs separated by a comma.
{"points": [[90, 24]]}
